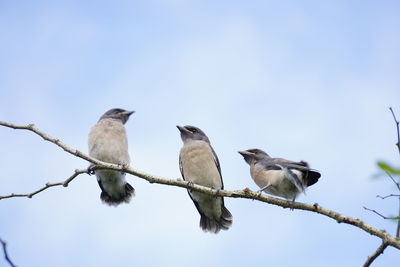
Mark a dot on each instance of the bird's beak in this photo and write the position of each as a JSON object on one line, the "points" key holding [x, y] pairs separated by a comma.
{"points": [[245, 153], [127, 112], [183, 129]]}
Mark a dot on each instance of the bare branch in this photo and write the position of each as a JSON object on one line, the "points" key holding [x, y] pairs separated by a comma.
{"points": [[380, 215], [376, 254], [398, 147], [4, 244], [397, 127], [32, 128], [48, 185], [391, 195], [398, 224], [246, 193], [393, 180], [377, 213]]}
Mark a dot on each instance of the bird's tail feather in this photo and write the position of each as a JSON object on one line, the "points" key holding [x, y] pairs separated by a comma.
{"points": [[312, 177], [114, 201], [215, 225]]}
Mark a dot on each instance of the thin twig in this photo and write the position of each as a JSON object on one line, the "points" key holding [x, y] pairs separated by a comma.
{"points": [[4, 244], [398, 147], [380, 215], [48, 185], [397, 127], [376, 254], [246, 193], [398, 223], [393, 180], [377, 213], [391, 195]]}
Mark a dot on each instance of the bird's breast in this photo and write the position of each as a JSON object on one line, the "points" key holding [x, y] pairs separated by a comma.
{"points": [[199, 165], [108, 142]]}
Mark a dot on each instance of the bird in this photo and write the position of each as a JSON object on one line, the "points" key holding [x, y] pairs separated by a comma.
{"points": [[108, 142], [199, 165], [277, 176]]}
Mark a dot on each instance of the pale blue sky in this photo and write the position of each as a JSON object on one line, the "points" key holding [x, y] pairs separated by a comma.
{"points": [[304, 80]]}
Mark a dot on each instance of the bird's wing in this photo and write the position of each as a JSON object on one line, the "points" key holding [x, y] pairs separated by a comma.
{"points": [[301, 166], [311, 176], [286, 166], [189, 191], [216, 161], [180, 167]]}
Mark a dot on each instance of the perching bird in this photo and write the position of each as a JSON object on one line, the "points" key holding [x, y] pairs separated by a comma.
{"points": [[199, 164], [279, 177], [108, 143]]}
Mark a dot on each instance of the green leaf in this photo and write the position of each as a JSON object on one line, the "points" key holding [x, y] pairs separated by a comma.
{"points": [[387, 168], [394, 218]]}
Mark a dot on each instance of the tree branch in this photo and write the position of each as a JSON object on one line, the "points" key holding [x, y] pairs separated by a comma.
{"points": [[246, 193], [380, 215], [391, 195], [393, 180], [4, 244], [376, 254], [48, 185], [398, 147], [398, 224], [397, 127]]}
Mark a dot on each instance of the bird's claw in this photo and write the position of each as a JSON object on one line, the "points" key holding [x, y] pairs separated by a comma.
{"points": [[259, 192], [123, 165], [217, 193], [190, 183], [292, 202]]}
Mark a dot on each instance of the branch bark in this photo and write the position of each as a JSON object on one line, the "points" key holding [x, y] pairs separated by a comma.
{"points": [[48, 185], [376, 254], [4, 244], [398, 147], [397, 128], [246, 193], [391, 195]]}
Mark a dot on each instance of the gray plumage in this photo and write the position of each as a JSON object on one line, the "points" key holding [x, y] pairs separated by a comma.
{"points": [[108, 142], [279, 177], [199, 164]]}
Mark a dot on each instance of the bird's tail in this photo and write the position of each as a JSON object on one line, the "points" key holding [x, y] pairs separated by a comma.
{"points": [[215, 225], [125, 196], [312, 177]]}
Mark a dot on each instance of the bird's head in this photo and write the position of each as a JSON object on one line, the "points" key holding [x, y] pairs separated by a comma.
{"points": [[192, 133], [253, 155], [117, 114]]}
